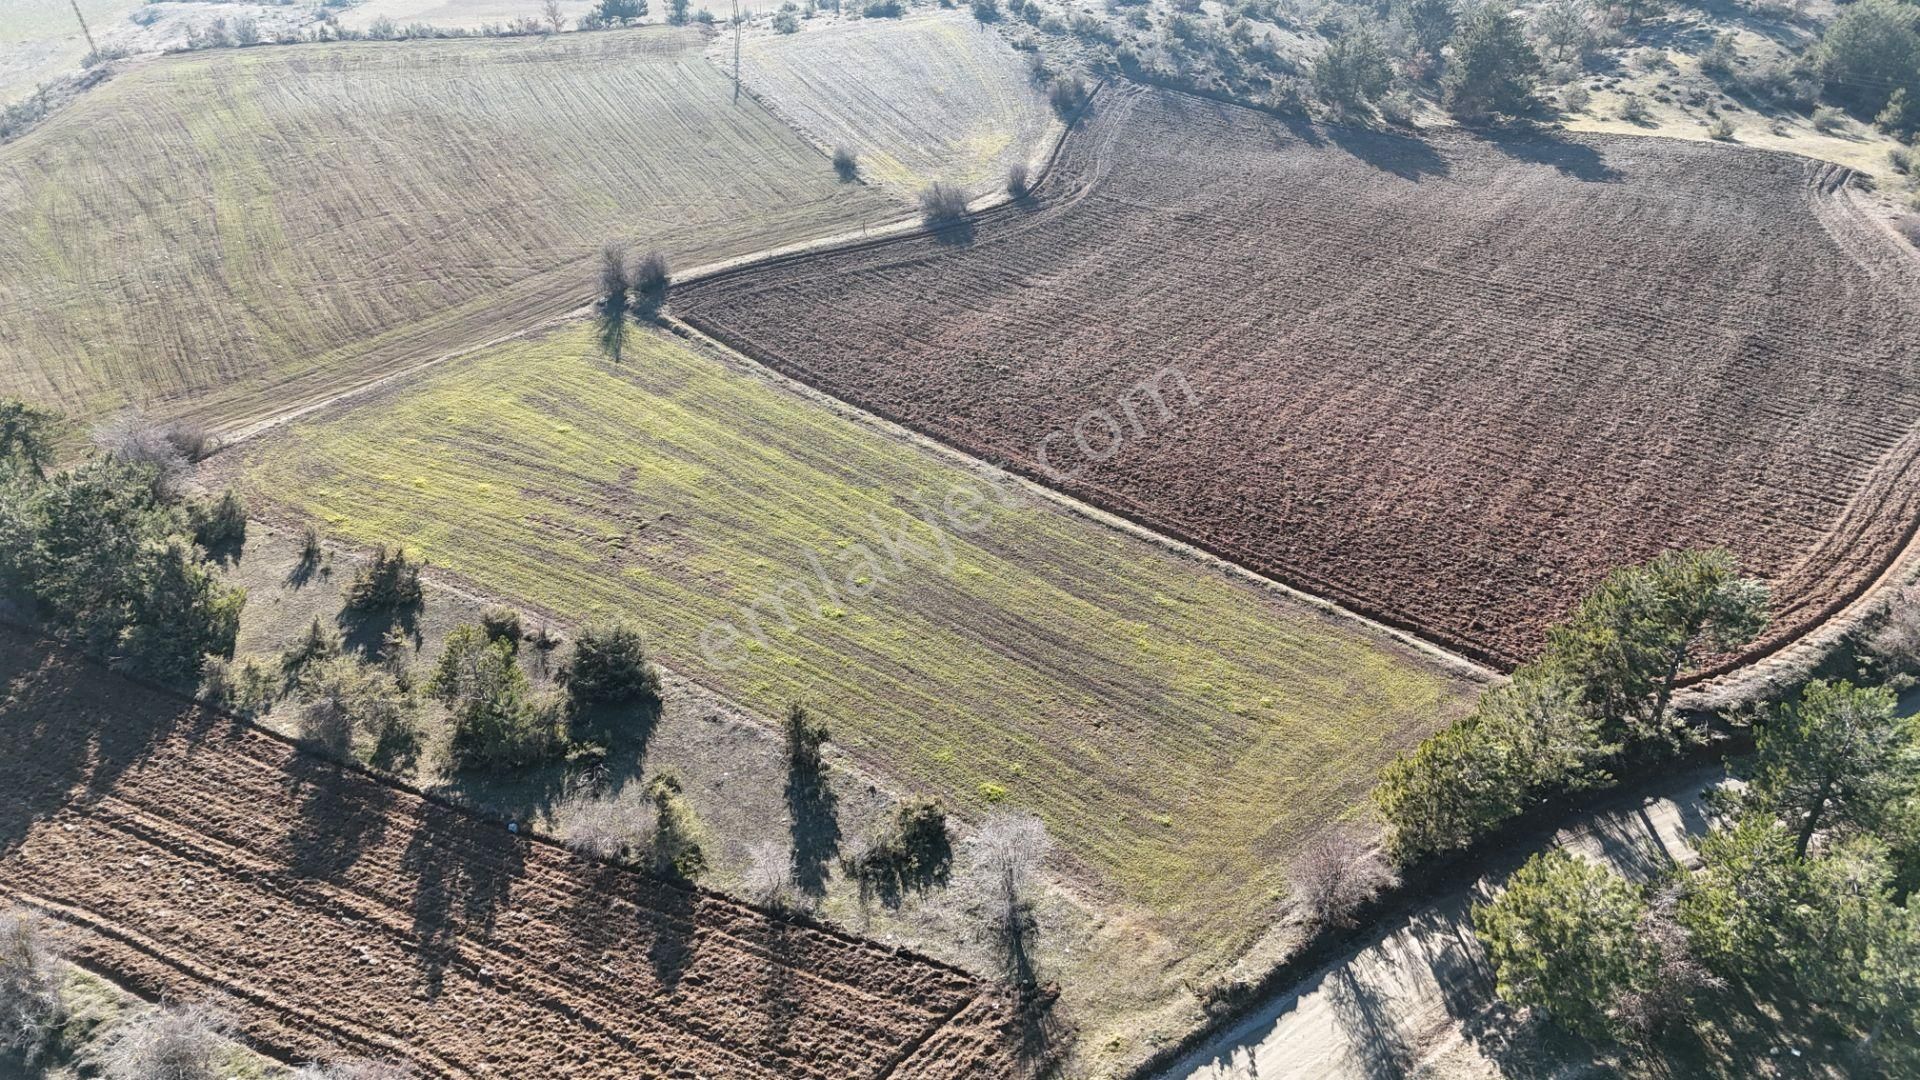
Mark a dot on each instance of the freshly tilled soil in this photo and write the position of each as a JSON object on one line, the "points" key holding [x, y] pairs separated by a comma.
{"points": [[1448, 382], [191, 856]]}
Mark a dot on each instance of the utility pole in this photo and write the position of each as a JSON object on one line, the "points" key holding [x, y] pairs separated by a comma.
{"points": [[92, 49], [736, 52]]}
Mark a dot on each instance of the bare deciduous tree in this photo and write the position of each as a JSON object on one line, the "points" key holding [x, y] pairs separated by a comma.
{"points": [[1897, 641], [1005, 857], [550, 14], [769, 875], [605, 826], [1335, 874], [357, 1069]]}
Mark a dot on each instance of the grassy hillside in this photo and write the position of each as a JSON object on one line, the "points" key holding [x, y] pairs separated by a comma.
{"points": [[1181, 732], [40, 39], [931, 97], [235, 232]]}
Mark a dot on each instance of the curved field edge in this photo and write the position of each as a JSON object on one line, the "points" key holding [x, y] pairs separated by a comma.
{"points": [[935, 96], [1180, 730], [279, 223], [752, 311], [189, 854]]}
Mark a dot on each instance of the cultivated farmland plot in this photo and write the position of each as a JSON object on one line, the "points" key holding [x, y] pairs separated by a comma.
{"points": [[195, 857], [237, 232], [936, 96], [1449, 382], [1181, 731]]}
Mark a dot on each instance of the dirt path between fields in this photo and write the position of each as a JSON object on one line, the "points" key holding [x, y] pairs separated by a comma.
{"points": [[1411, 993]]}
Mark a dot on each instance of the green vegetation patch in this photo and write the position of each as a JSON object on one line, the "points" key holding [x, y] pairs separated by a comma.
{"points": [[1179, 731]]}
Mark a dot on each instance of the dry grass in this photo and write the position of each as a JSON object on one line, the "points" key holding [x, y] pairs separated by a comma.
{"points": [[237, 232]]}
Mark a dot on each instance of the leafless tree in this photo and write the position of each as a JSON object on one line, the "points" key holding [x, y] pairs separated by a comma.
{"points": [[1004, 857], [1897, 641], [550, 14], [769, 875], [174, 1042], [1335, 874], [356, 1069], [30, 975], [170, 449]]}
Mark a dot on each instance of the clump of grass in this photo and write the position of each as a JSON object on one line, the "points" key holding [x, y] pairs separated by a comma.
{"points": [[1827, 119], [1721, 130]]}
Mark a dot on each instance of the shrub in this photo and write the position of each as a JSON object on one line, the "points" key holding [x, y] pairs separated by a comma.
{"points": [[941, 204], [168, 450], [649, 282], [343, 697], [1721, 130], [1067, 94], [612, 827], [502, 624], [1633, 109], [914, 849], [388, 582], [785, 22], [178, 1042], [1870, 53], [1828, 119], [1004, 857], [986, 11], [676, 844], [845, 165], [1494, 69], [1902, 159], [1577, 99], [609, 666], [1335, 874], [220, 524], [1721, 61], [31, 1009], [1353, 70], [885, 9], [245, 688], [1018, 185], [318, 644], [497, 723], [768, 878]]}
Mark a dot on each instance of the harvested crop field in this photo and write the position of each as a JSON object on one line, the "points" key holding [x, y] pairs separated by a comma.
{"points": [[192, 856], [236, 232], [1180, 730], [1449, 383], [937, 96]]}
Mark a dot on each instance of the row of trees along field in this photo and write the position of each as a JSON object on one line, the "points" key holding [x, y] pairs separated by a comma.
{"points": [[1801, 904]]}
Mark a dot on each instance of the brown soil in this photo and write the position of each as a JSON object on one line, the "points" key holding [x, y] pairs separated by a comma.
{"points": [[195, 857], [1447, 382]]}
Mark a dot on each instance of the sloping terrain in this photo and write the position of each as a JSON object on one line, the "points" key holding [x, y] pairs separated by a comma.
{"points": [[40, 39], [936, 96], [1181, 731], [1449, 383], [192, 856], [236, 232]]}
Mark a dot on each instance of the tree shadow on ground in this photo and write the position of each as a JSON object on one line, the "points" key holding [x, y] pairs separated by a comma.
{"points": [[1380, 1048], [1040, 1035], [671, 907], [1407, 158], [1575, 159], [814, 826], [365, 632], [954, 234], [626, 732], [463, 870], [336, 822], [305, 569]]}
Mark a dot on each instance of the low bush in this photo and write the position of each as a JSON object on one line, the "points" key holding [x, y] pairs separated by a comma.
{"points": [[502, 624], [1577, 98], [31, 1010], [1018, 185], [885, 9], [1828, 119], [177, 1042], [915, 850], [219, 525], [1067, 94], [1633, 109], [676, 844], [608, 666], [390, 581], [358, 1069], [786, 22], [649, 281], [342, 698], [845, 164], [317, 644], [1335, 874], [1721, 130], [613, 827], [245, 687], [942, 204], [986, 11]]}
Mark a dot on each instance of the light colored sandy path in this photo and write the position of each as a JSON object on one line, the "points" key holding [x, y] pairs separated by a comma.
{"points": [[1383, 1009]]}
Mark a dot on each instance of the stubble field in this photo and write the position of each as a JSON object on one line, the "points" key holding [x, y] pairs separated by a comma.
{"points": [[1180, 731], [1449, 383], [935, 96], [197, 858], [234, 233]]}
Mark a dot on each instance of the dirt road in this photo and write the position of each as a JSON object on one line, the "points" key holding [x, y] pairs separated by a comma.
{"points": [[1403, 999]]}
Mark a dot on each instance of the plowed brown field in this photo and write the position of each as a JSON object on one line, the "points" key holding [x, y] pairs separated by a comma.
{"points": [[193, 856], [1449, 383]]}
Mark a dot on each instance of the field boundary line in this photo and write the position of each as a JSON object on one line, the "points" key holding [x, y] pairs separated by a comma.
{"points": [[1460, 663]]}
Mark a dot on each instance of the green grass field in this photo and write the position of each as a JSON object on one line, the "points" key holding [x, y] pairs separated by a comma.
{"points": [[1181, 731], [234, 233], [935, 96]]}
